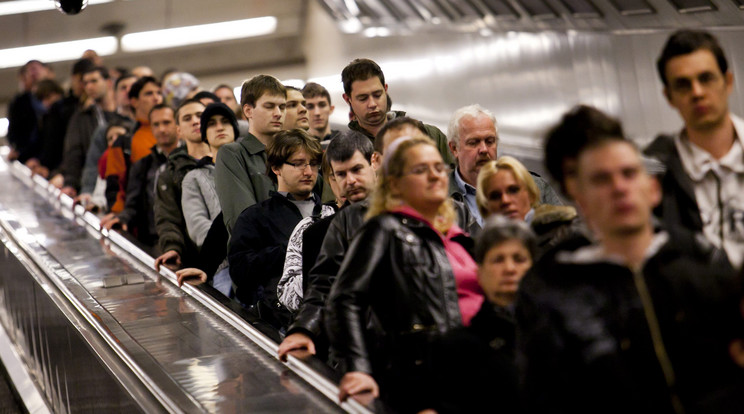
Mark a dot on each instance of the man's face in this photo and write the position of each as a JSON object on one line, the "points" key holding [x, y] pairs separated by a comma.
{"points": [[355, 177], [34, 72], [296, 116], [319, 110], [368, 102], [189, 122], [267, 117], [298, 181], [698, 90], [149, 96], [219, 131], [122, 91], [95, 85], [227, 97], [614, 192], [163, 125], [476, 146]]}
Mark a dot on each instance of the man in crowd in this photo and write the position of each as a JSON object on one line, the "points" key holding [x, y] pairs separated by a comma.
{"points": [[240, 171], [296, 116], [473, 140], [137, 216], [259, 239], [651, 316], [365, 91], [705, 160], [354, 169], [23, 111], [319, 109], [173, 241], [99, 90], [143, 96]]}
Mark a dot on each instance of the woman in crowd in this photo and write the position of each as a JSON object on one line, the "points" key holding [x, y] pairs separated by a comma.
{"points": [[405, 265], [475, 365], [506, 187]]}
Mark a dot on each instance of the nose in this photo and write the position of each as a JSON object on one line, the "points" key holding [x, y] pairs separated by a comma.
{"points": [[697, 88], [483, 147], [278, 112], [510, 266], [301, 109]]}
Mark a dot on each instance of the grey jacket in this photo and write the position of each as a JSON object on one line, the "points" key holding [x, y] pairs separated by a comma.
{"points": [[240, 177], [199, 201]]}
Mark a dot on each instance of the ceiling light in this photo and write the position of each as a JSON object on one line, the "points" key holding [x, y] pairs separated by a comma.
{"points": [[56, 52], [29, 6], [203, 33]]}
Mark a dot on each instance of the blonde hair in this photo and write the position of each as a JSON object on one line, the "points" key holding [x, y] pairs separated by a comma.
{"points": [[382, 199], [520, 172]]}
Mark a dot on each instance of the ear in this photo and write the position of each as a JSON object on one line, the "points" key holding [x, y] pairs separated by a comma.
{"points": [[332, 108], [347, 99], [386, 85], [277, 171], [729, 78], [452, 148], [248, 111], [376, 161], [654, 190]]}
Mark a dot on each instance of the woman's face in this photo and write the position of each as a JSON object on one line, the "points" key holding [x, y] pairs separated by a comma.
{"points": [[507, 196], [502, 269], [425, 181]]}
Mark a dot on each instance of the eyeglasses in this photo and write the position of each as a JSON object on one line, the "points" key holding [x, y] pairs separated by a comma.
{"points": [[300, 166], [422, 169]]}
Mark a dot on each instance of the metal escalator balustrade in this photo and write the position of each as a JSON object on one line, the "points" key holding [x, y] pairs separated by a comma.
{"points": [[146, 345]]}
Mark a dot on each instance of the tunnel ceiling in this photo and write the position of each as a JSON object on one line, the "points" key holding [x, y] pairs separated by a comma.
{"points": [[384, 17]]}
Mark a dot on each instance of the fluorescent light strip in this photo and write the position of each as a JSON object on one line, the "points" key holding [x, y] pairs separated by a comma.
{"points": [[203, 33], [57, 52], [4, 127], [29, 6]]}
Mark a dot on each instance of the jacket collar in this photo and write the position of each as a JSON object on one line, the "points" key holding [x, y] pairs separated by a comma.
{"points": [[594, 253], [252, 144]]}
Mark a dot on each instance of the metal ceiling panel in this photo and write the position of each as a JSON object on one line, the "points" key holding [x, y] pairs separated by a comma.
{"points": [[693, 6], [499, 8], [632, 7], [538, 9], [739, 4], [581, 8]]}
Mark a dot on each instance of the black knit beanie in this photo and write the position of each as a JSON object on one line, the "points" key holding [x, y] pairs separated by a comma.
{"points": [[215, 109]]}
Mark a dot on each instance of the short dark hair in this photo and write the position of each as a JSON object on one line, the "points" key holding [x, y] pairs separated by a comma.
{"points": [[360, 69], [46, 88], [81, 66], [683, 42], [396, 124], [158, 107], [187, 102], [578, 128], [286, 143], [206, 94], [253, 89], [122, 78], [499, 229], [288, 87], [313, 90], [137, 87], [343, 147], [100, 69], [24, 68]]}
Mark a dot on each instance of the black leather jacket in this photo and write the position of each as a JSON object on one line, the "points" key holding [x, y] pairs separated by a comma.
{"points": [[342, 229], [397, 266]]}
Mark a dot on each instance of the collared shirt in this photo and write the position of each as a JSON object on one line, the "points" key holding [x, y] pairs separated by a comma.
{"points": [[469, 192], [719, 192]]}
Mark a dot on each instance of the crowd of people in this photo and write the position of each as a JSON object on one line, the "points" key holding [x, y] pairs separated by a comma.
{"points": [[424, 268]]}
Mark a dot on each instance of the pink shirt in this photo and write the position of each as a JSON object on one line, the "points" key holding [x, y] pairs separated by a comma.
{"points": [[469, 293]]}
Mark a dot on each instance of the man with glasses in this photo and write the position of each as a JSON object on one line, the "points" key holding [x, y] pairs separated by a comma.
{"points": [[259, 239]]}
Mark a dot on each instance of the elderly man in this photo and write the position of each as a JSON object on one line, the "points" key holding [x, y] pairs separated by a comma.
{"points": [[473, 140]]}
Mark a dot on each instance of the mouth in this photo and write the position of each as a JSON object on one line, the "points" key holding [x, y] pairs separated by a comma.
{"points": [[276, 124]]}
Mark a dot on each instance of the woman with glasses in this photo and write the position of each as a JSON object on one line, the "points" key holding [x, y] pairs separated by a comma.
{"points": [[505, 187], [407, 265]]}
